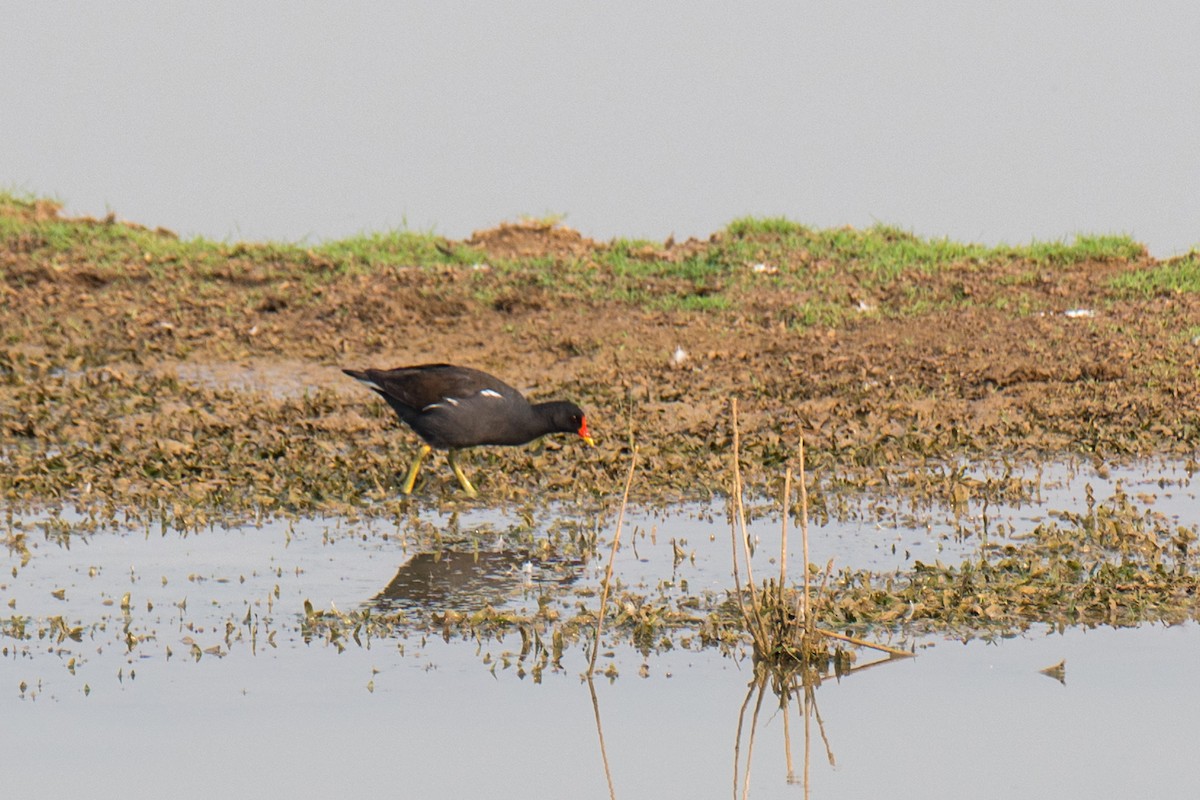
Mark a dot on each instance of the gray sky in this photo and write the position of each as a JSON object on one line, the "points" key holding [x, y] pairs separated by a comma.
{"points": [[979, 121]]}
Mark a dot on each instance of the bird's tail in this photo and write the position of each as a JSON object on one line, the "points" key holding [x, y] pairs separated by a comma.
{"points": [[364, 376]]}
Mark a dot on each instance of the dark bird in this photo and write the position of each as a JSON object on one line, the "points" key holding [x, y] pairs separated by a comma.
{"points": [[455, 407]]}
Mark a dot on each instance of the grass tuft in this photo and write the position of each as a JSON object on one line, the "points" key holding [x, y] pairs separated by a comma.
{"points": [[767, 270], [1177, 276]]}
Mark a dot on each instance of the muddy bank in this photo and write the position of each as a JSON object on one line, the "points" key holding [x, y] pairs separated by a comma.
{"points": [[134, 367]]}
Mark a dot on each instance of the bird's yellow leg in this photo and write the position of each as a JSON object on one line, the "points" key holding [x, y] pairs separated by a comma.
{"points": [[466, 484], [411, 480]]}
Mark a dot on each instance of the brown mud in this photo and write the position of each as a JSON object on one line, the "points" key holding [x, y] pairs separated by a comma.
{"points": [[228, 383]]}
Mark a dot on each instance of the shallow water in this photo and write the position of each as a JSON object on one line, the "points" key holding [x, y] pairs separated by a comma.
{"points": [[218, 692]]}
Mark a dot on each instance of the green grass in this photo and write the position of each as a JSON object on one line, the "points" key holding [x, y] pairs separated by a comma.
{"points": [[883, 252], [766, 226], [1178, 276], [1083, 248], [397, 248], [814, 264], [114, 246], [105, 245]]}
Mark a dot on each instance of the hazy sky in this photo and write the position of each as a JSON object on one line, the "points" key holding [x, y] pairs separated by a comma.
{"points": [[980, 121]]}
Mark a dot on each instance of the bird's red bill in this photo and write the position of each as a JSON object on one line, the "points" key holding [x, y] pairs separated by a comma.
{"points": [[583, 433]]}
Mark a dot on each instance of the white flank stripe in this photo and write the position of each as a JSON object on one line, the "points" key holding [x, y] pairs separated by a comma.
{"points": [[445, 402], [491, 393]]}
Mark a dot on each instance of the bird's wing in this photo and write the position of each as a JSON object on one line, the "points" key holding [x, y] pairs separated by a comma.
{"points": [[438, 384]]}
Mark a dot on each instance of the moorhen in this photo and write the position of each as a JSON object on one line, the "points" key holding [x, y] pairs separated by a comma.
{"points": [[455, 407]]}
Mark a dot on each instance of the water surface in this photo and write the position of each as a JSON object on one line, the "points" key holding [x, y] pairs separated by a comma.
{"points": [[219, 693]]}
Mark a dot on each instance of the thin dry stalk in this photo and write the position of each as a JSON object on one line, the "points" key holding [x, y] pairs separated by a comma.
{"points": [[807, 709], [762, 690], [612, 557], [857, 668], [737, 738], [737, 579], [883, 648], [780, 605], [808, 625], [812, 697], [612, 792], [787, 733], [754, 620]]}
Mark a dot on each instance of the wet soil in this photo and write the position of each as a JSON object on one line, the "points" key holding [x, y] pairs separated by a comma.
{"points": [[1004, 357]]}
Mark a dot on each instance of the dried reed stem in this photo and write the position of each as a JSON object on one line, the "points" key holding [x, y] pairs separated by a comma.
{"points": [[883, 648], [783, 537], [737, 738], [807, 617], [612, 792], [761, 682], [806, 707], [816, 709], [755, 620], [611, 558], [787, 732]]}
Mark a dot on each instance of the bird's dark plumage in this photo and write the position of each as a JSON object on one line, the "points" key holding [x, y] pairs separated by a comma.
{"points": [[454, 407]]}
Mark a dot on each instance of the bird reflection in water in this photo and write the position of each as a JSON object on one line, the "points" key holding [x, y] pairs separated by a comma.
{"points": [[467, 581]]}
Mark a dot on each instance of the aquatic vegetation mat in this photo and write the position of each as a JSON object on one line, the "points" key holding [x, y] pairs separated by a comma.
{"points": [[1115, 563]]}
